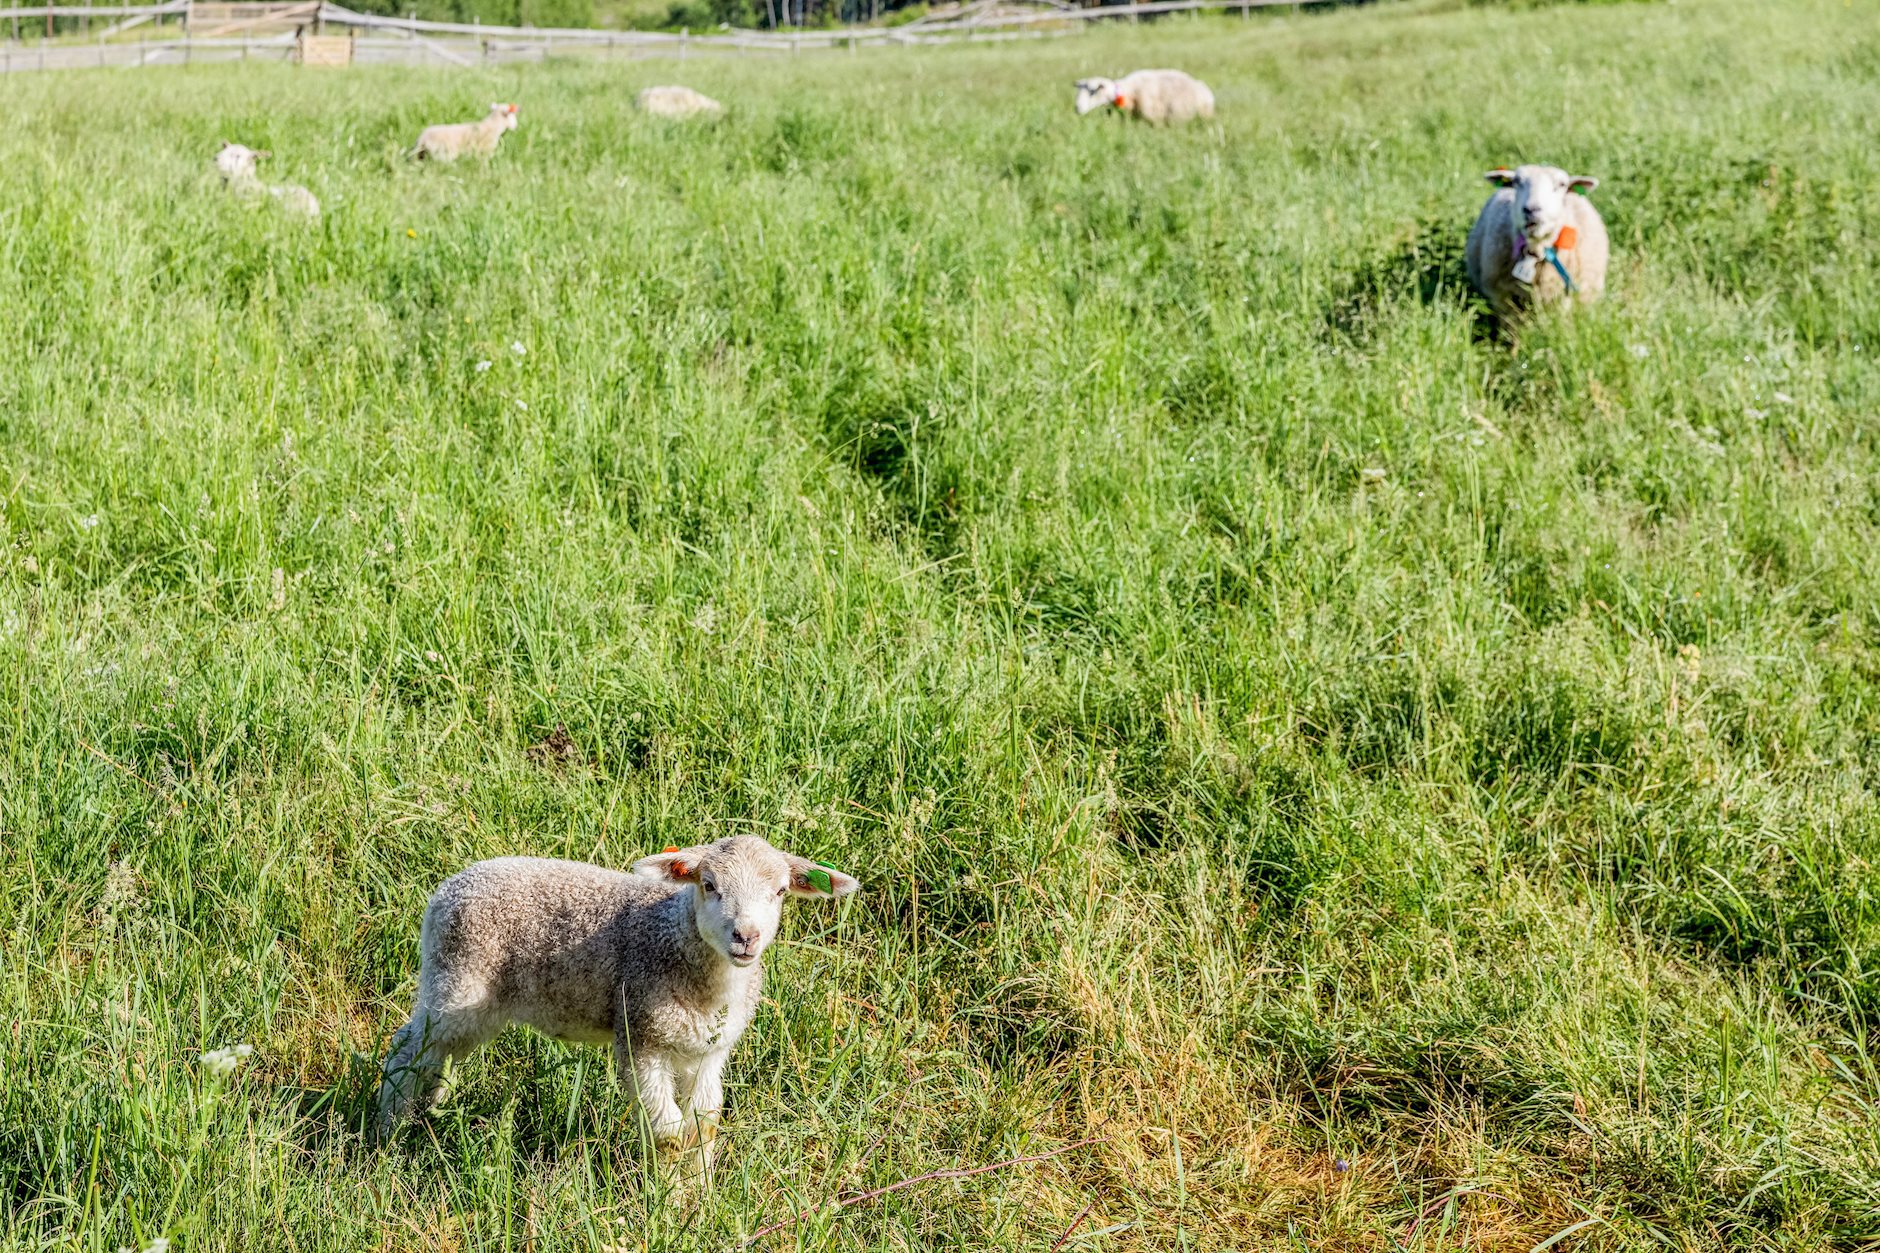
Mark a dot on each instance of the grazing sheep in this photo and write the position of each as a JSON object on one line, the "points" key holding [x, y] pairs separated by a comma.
{"points": [[1535, 242], [236, 164], [1153, 95], [675, 102], [461, 139], [662, 962]]}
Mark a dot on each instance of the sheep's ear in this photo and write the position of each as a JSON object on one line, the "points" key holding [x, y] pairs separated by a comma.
{"points": [[680, 865], [812, 878], [227, 144], [1500, 177], [1581, 183], [263, 152]]}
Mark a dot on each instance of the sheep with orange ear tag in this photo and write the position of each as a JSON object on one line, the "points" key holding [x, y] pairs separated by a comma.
{"points": [[1538, 240], [1159, 96]]}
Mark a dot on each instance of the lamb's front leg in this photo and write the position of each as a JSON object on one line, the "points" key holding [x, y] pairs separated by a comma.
{"points": [[655, 1084], [704, 1102]]}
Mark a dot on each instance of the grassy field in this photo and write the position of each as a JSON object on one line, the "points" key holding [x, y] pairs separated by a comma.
{"points": [[1385, 786]]}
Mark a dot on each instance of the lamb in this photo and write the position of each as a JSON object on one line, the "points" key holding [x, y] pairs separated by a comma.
{"points": [[236, 164], [675, 102], [459, 139], [1535, 243], [1154, 95], [663, 963]]}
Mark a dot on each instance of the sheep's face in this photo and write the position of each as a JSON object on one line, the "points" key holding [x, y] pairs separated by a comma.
{"points": [[1540, 197], [236, 161], [506, 115], [1094, 93], [739, 885]]}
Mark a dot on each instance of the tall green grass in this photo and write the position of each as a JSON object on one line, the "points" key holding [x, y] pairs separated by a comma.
{"points": [[1391, 785]]}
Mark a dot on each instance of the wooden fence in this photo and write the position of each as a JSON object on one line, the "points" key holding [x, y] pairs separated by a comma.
{"points": [[255, 31]]}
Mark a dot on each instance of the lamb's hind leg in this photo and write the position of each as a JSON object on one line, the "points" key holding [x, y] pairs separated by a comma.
{"points": [[413, 1070]]}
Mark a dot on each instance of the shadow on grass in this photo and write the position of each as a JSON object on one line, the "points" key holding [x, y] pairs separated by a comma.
{"points": [[547, 1119], [1431, 264]]}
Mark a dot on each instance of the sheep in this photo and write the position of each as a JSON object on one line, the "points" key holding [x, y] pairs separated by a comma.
{"points": [[675, 102], [458, 139], [1535, 243], [1153, 95], [236, 164], [662, 962]]}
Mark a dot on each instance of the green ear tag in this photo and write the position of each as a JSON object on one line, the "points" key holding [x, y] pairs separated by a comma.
{"points": [[819, 879]]}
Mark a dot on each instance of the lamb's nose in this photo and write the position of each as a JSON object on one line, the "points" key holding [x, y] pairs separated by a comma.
{"points": [[746, 936]]}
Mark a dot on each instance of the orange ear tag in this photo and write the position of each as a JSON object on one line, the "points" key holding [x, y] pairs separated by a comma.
{"points": [[1565, 239], [670, 848], [1122, 102]]}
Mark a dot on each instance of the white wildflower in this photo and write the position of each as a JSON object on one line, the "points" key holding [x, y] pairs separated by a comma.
{"points": [[523, 405], [89, 522], [1783, 398], [484, 365], [705, 621], [158, 1244], [1641, 351], [517, 348], [223, 1061]]}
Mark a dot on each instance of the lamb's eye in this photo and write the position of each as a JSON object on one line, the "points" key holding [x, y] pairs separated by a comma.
{"points": [[711, 887], [783, 891]]}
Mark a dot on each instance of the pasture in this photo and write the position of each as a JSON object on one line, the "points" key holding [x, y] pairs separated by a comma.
{"points": [[1377, 786]]}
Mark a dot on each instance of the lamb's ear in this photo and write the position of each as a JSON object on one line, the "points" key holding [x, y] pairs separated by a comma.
{"points": [[680, 865], [811, 878], [1581, 183], [1500, 177]]}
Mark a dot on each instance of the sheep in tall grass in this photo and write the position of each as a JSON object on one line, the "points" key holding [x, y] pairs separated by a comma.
{"points": [[466, 139], [663, 963], [236, 163], [1536, 242], [1154, 95], [673, 101]]}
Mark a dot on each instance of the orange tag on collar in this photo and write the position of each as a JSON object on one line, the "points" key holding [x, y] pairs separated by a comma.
{"points": [[1565, 239]]}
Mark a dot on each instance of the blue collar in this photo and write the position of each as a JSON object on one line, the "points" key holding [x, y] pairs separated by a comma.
{"points": [[1553, 259]]}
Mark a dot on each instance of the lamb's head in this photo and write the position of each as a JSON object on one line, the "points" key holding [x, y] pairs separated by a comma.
{"points": [[505, 115], [1095, 93], [739, 884], [236, 161], [1540, 197]]}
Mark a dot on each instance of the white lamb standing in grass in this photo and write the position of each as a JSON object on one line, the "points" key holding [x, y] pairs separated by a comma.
{"points": [[662, 963], [1536, 242], [674, 101], [236, 163], [1153, 95], [466, 139]]}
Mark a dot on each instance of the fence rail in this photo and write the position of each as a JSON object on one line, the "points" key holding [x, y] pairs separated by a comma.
{"points": [[385, 40]]}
